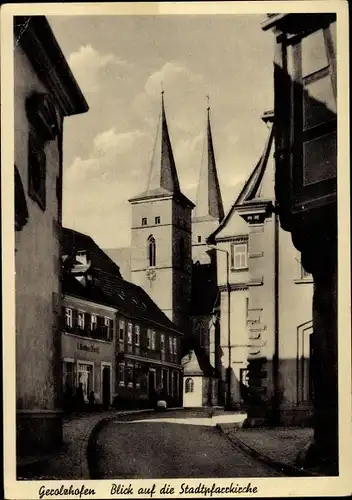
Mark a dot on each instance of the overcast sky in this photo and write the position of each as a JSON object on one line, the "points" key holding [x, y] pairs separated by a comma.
{"points": [[119, 63]]}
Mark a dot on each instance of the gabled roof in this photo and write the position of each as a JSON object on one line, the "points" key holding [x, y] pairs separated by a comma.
{"points": [[162, 179], [196, 363], [209, 201], [252, 191], [73, 241]]}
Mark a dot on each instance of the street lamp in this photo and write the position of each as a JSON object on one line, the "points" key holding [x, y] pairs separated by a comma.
{"points": [[228, 398]]}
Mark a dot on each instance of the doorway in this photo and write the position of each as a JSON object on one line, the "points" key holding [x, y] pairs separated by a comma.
{"points": [[106, 389]]}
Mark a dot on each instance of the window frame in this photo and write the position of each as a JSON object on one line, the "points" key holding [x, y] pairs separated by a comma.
{"points": [[144, 221], [123, 330], [68, 324], [151, 251], [157, 220], [129, 333], [83, 318], [235, 245], [189, 385]]}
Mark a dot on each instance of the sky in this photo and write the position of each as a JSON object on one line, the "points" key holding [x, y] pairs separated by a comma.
{"points": [[120, 63]]}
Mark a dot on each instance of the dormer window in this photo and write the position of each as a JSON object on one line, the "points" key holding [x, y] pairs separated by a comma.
{"points": [[144, 221], [157, 220]]}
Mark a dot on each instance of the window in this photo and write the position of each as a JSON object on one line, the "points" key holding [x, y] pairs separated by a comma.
{"points": [[171, 345], [81, 317], [121, 374], [121, 330], [85, 377], [175, 345], [144, 221], [199, 239], [162, 342], [153, 343], [189, 385], [129, 375], [67, 377], [239, 255], [68, 317], [157, 220], [151, 251], [182, 252], [37, 169], [137, 335], [129, 333], [108, 328], [149, 339], [93, 322]]}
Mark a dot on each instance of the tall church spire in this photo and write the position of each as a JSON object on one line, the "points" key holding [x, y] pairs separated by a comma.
{"points": [[209, 201], [162, 173]]}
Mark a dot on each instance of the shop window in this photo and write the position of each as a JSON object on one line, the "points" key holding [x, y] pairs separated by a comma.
{"points": [[130, 375], [239, 253], [189, 385], [157, 220], [121, 374], [121, 330], [68, 317], [137, 375], [151, 251], [85, 377], [144, 221], [68, 377]]}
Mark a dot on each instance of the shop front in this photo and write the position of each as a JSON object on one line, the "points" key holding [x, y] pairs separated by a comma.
{"points": [[87, 369]]}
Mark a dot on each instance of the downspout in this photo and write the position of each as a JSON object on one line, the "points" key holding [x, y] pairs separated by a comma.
{"points": [[276, 377]]}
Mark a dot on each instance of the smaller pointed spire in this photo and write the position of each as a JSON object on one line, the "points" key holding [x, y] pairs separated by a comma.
{"points": [[209, 200]]}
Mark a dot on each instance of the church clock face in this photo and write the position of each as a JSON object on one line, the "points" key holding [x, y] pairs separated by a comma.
{"points": [[151, 274]]}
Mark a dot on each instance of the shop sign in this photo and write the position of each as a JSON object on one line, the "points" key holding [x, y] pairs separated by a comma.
{"points": [[87, 348]]}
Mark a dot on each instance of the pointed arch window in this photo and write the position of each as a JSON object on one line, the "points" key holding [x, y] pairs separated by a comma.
{"points": [[151, 251]]}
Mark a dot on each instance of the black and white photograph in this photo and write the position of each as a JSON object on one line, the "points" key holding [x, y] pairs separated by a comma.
{"points": [[176, 286]]}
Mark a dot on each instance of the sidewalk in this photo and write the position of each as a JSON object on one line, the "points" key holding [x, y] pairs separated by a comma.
{"points": [[70, 461], [277, 447]]}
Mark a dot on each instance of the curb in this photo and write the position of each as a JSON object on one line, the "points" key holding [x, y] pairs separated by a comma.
{"points": [[288, 470]]}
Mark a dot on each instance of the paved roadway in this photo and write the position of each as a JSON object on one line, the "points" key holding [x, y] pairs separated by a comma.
{"points": [[170, 445]]}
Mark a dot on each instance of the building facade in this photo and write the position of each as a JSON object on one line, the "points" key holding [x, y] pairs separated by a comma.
{"points": [[128, 351], [305, 83], [267, 346], [44, 93]]}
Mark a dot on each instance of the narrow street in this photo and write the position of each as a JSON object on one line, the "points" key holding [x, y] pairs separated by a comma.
{"points": [[170, 445]]}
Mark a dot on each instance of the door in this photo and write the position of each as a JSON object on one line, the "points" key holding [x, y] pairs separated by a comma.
{"points": [[106, 386]]}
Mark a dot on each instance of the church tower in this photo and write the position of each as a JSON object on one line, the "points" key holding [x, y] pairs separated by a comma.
{"points": [[209, 210], [161, 253], [208, 214]]}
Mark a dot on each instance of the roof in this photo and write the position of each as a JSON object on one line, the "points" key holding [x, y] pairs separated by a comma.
{"points": [[209, 201], [259, 183], [73, 241], [162, 179], [196, 362], [107, 286], [43, 51]]}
